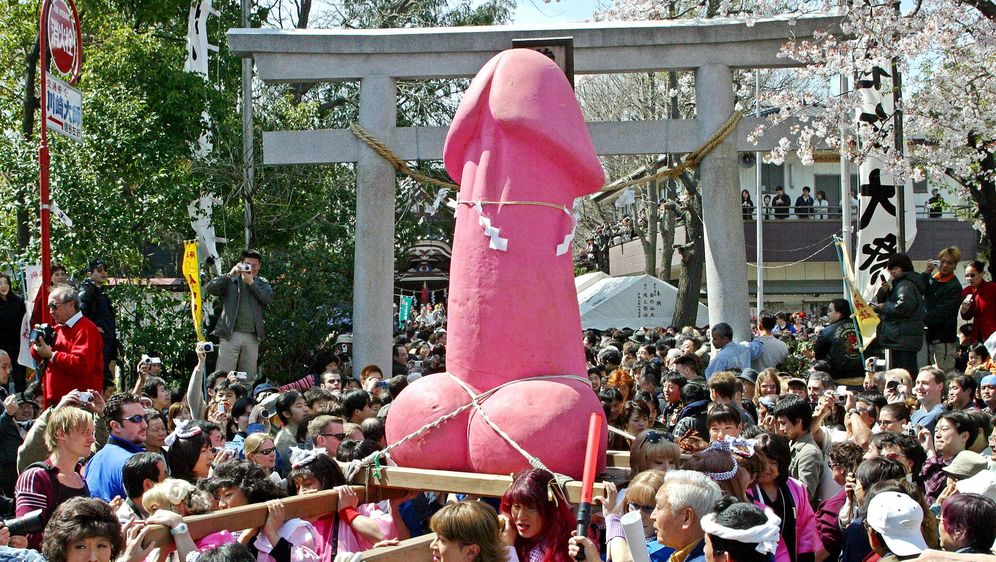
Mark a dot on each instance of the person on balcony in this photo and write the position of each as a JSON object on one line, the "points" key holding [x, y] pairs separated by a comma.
{"points": [[804, 204]]}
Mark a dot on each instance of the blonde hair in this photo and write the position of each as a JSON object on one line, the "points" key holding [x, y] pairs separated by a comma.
{"points": [[254, 443], [468, 523], [651, 447], [349, 427], [172, 492], [65, 420], [952, 252], [643, 488]]}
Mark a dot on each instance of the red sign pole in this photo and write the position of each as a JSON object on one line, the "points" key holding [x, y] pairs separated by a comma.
{"points": [[43, 163], [64, 44]]}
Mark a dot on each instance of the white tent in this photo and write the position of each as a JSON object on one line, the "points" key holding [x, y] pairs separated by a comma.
{"points": [[629, 302], [582, 282]]}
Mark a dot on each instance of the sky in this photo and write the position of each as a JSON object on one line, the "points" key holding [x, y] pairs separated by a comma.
{"points": [[537, 12]]}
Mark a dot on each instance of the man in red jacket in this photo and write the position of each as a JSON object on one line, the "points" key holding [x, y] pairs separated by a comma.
{"points": [[75, 361]]}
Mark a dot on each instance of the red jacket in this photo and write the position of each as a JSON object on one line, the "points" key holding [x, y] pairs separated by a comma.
{"points": [[78, 361], [983, 310]]}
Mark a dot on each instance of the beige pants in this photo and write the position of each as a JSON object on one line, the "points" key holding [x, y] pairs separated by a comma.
{"points": [[239, 353], [943, 355]]}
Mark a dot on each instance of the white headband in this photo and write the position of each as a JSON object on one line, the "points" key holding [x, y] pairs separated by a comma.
{"points": [[304, 457], [766, 535]]}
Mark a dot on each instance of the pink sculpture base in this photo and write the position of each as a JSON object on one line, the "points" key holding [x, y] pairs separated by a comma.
{"points": [[518, 137]]}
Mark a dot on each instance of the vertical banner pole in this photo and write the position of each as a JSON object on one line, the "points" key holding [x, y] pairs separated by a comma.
{"points": [[43, 164]]}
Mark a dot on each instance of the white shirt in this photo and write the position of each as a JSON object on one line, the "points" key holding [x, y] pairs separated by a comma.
{"points": [[75, 318]]}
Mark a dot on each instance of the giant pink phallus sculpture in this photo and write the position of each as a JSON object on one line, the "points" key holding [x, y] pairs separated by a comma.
{"points": [[521, 149]]}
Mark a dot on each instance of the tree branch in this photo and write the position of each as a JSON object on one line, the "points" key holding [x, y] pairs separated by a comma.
{"points": [[985, 7]]}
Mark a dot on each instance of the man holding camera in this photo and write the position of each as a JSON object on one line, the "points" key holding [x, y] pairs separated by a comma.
{"points": [[240, 326], [72, 351]]}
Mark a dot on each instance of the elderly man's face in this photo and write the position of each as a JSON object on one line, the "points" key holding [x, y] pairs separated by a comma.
{"points": [[61, 311]]}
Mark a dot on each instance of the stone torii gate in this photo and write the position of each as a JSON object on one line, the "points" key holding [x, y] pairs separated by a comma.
{"points": [[377, 58]]}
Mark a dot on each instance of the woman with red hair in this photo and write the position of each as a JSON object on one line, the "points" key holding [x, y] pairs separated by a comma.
{"points": [[538, 518], [623, 381]]}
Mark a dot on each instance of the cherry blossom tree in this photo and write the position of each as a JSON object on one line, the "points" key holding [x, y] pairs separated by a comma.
{"points": [[944, 51]]}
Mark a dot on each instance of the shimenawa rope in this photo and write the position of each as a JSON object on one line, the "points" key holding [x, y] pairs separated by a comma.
{"points": [[691, 160]]}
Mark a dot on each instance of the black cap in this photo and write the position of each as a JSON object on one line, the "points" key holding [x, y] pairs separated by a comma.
{"points": [[95, 263], [749, 375]]}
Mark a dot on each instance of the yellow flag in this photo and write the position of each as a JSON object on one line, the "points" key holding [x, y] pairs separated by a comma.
{"points": [[191, 272], [867, 319]]}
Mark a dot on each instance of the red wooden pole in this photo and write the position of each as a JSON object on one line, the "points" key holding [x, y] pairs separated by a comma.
{"points": [[43, 163]]}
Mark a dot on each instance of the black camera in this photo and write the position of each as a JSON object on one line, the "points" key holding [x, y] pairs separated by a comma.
{"points": [[27, 524], [43, 332]]}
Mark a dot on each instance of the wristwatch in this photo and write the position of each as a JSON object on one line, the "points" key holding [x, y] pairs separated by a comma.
{"points": [[180, 529]]}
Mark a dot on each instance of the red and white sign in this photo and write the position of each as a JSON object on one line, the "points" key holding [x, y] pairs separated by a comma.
{"points": [[64, 38]]}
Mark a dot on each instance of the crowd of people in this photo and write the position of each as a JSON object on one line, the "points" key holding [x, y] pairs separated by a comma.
{"points": [[730, 458]]}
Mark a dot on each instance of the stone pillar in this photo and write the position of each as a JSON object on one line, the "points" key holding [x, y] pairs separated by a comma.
{"points": [[726, 274], [373, 262]]}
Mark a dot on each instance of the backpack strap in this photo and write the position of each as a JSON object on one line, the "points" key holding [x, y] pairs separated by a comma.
{"points": [[53, 480]]}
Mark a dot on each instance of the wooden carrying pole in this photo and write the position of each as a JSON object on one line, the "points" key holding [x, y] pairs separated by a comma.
{"points": [[393, 482], [411, 550], [493, 485], [254, 515]]}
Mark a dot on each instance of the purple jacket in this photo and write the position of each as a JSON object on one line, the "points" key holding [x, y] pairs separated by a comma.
{"points": [[827, 525]]}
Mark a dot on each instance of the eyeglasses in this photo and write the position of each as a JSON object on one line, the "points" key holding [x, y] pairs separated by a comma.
{"points": [[266, 451], [339, 436], [886, 422], [648, 509], [137, 418], [53, 306]]}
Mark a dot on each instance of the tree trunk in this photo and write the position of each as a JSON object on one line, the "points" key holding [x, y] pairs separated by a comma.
{"points": [[27, 129], [650, 240], [668, 222], [692, 259]]}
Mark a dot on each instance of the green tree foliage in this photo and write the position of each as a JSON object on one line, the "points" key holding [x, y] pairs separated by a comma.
{"points": [[128, 185]]}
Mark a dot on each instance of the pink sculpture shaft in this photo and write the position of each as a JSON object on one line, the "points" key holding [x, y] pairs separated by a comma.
{"points": [[518, 137]]}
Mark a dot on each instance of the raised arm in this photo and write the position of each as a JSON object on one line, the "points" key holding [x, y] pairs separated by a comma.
{"points": [[195, 393]]}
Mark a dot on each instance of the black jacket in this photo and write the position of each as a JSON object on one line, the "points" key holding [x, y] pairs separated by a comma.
{"points": [[942, 300], [11, 316], [903, 314], [95, 305], [839, 345]]}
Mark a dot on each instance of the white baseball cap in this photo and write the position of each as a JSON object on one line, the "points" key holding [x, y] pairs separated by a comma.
{"points": [[897, 517], [982, 484]]}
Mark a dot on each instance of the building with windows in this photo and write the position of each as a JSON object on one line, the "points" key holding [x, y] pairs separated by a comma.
{"points": [[800, 265]]}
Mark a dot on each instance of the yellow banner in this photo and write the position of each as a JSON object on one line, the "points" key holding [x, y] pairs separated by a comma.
{"points": [[867, 319], [192, 273]]}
